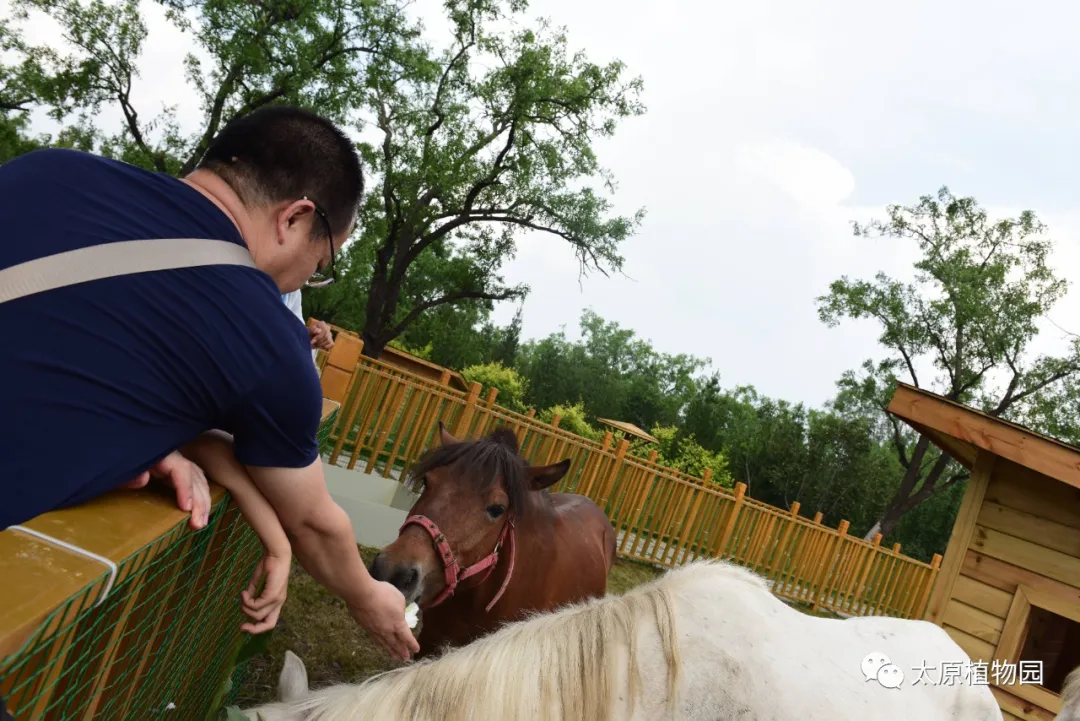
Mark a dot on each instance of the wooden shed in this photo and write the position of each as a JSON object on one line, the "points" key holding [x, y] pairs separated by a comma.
{"points": [[1009, 587]]}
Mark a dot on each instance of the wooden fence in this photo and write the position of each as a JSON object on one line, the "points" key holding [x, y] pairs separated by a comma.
{"points": [[389, 417]]}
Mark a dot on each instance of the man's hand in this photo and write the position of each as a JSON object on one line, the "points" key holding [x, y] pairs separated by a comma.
{"points": [[192, 489], [321, 337], [381, 611], [265, 609]]}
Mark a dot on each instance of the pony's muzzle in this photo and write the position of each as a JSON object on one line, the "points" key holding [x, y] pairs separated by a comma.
{"points": [[405, 577]]}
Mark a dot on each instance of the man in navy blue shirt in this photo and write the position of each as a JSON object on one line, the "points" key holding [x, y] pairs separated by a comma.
{"points": [[102, 382]]}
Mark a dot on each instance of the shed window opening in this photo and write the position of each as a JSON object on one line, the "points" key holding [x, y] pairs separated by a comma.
{"points": [[1054, 641]]}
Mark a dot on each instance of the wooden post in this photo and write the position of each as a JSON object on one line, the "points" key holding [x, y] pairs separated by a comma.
{"points": [[831, 559], [340, 367], [609, 482], [652, 455], [935, 566], [556, 420], [857, 596], [811, 554], [444, 379], [887, 587], [729, 525], [465, 419], [492, 394], [592, 468], [962, 532], [531, 413], [782, 545]]}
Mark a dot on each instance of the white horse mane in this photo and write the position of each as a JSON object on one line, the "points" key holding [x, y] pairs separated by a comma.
{"points": [[560, 665]]}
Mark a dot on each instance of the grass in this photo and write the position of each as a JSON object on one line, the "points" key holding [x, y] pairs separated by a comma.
{"points": [[315, 626]]}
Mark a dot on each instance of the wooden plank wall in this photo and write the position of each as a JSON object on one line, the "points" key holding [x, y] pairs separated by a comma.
{"points": [[1027, 532]]}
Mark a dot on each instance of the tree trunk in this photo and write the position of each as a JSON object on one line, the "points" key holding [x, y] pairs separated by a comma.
{"points": [[381, 307], [906, 497], [887, 523], [373, 345]]}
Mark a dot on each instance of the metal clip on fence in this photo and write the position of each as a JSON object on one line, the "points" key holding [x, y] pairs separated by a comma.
{"points": [[77, 550]]}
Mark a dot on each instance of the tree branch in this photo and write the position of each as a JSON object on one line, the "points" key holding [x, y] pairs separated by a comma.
{"points": [[16, 105], [448, 298], [436, 105], [901, 449], [1009, 401], [464, 216]]}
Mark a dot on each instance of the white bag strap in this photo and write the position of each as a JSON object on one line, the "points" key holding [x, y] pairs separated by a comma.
{"points": [[120, 258]]}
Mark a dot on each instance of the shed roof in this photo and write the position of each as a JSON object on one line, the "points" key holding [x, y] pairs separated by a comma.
{"points": [[628, 428], [397, 356], [962, 431]]}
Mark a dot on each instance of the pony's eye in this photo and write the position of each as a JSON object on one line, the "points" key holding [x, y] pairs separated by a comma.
{"points": [[495, 511]]}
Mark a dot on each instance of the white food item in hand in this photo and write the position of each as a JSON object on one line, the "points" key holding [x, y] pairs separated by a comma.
{"points": [[412, 612]]}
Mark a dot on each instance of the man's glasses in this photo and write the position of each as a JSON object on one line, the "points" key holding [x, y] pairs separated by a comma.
{"points": [[319, 278]]}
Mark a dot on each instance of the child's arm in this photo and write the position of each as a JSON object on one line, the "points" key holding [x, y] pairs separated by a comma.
{"points": [[213, 453]]}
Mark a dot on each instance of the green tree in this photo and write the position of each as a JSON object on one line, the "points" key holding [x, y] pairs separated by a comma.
{"points": [[311, 53], [682, 452], [612, 371], [572, 418], [969, 316], [487, 139], [512, 387]]}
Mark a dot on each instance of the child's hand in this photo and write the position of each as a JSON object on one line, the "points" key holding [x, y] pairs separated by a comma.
{"points": [[266, 608]]}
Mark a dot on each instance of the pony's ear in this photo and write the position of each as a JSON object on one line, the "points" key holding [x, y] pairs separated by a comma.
{"points": [[445, 437], [541, 477], [293, 681]]}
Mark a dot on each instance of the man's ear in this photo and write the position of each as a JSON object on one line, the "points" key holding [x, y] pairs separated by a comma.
{"points": [[444, 435], [540, 477], [291, 214]]}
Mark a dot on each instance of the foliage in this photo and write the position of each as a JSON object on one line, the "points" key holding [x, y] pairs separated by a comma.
{"points": [[572, 418], [512, 387], [611, 371], [970, 315], [311, 53], [481, 141], [682, 452], [425, 352]]}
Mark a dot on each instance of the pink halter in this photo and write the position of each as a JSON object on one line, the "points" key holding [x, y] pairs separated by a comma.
{"points": [[452, 570]]}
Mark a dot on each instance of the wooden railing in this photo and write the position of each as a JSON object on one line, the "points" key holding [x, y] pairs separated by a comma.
{"points": [[389, 417], [149, 628]]}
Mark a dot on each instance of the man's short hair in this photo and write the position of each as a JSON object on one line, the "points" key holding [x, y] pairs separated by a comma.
{"points": [[280, 153]]}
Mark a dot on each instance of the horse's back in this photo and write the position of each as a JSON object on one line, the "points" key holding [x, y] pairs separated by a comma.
{"points": [[583, 543], [770, 661]]}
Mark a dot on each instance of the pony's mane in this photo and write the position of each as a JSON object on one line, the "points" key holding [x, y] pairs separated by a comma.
{"points": [[481, 462], [557, 666]]}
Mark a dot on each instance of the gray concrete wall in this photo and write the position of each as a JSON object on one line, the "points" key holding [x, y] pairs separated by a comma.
{"points": [[376, 506]]}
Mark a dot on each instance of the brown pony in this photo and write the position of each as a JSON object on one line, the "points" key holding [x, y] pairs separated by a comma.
{"points": [[486, 543]]}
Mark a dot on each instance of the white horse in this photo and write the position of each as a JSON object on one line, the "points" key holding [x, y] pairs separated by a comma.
{"points": [[705, 642]]}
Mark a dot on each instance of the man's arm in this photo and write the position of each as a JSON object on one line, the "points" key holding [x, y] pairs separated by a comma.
{"points": [[275, 431], [324, 544]]}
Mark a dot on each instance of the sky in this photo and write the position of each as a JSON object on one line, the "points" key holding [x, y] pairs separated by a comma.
{"points": [[770, 126]]}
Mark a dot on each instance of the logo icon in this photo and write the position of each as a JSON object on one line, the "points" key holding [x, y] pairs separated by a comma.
{"points": [[876, 666]]}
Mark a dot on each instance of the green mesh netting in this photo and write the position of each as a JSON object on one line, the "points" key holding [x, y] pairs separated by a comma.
{"points": [[160, 646], [166, 642]]}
